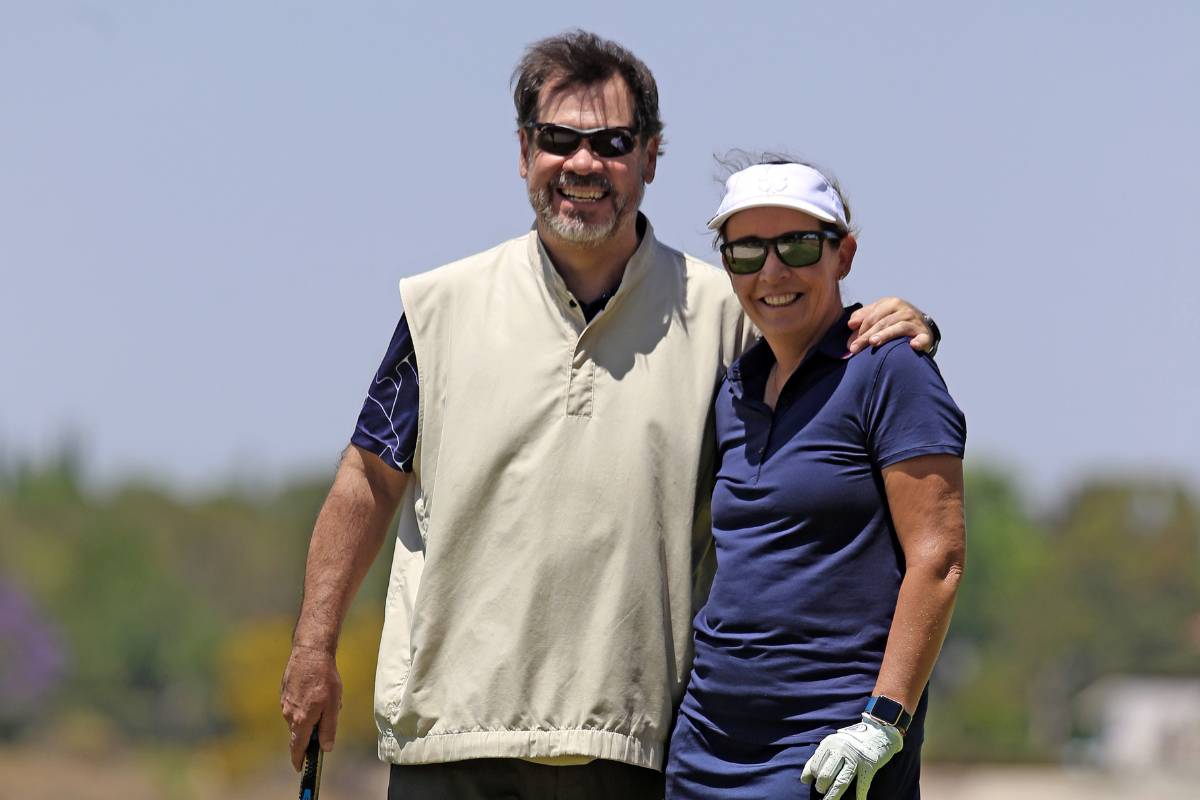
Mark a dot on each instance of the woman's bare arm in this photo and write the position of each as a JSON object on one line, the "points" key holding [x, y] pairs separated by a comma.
{"points": [[925, 495]]}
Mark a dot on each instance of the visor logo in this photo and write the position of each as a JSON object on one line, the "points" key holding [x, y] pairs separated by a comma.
{"points": [[776, 184]]}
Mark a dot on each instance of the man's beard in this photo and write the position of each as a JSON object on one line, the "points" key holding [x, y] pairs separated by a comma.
{"points": [[576, 229]]}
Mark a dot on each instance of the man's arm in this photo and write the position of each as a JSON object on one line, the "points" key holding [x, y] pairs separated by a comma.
{"points": [[891, 318], [345, 541]]}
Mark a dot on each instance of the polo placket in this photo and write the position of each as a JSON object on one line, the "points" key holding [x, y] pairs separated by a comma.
{"points": [[581, 371], [758, 426], [581, 367], [582, 382]]}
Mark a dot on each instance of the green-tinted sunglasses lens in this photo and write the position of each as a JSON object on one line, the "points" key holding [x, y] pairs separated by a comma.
{"points": [[742, 258], [799, 251]]}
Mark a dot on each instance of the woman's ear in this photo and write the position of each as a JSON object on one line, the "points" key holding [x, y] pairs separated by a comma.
{"points": [[846, 251]]}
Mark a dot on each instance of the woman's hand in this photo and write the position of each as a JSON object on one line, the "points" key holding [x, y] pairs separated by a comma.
{"points": [[857, 751]]}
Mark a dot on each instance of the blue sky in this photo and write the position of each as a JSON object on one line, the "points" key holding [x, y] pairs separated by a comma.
{"points": [[205, 207]]}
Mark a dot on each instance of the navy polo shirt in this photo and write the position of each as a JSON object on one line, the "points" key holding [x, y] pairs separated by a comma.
{"points": [[790, 641], [387, 424]]}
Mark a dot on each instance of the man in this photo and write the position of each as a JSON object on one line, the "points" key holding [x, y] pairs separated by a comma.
{"points": [[537, 626]]}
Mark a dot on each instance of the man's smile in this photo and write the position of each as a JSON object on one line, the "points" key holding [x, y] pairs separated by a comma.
{"points": [[582, 195], [580, 189]]}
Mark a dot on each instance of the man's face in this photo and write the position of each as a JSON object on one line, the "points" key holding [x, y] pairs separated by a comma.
{"points": [[583, 198]]}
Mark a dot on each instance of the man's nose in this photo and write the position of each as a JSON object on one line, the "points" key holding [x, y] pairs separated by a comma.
{"points": [[583, 161]]}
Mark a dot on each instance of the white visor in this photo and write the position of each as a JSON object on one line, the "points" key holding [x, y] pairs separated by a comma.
{"points": [[787, 185]]}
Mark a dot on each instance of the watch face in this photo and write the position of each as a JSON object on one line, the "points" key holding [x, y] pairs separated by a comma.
{"points": [[885, 709]]}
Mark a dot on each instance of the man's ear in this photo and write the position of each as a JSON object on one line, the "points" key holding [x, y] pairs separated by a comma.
{"points": [[524, 156], [651, 159], [846, 251]]}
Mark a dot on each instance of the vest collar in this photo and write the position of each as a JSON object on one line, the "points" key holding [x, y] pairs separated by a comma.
{"points": [[636, 268]]}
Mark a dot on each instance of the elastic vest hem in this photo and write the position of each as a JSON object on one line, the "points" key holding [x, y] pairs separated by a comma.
{"points": [[439, 748]]}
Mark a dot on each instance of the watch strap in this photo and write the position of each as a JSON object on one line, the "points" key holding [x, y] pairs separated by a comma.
{"points": [[937, 334]]}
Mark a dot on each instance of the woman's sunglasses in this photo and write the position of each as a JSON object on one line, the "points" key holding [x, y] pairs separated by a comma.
{"points": [[563, 140], [795, 249]]}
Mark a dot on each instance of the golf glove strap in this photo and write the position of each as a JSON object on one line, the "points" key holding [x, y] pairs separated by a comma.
{"points": [[856, 751]]}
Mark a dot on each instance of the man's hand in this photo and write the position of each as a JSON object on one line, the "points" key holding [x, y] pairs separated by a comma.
{"points": [[857, 751], [311, 693], [888, 319]]}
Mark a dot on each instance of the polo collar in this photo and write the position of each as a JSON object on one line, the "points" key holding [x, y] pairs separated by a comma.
{"points": [[833, 343], [753, 365]]}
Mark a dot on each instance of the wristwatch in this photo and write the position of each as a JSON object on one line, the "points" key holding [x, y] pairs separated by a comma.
{"points": [[937, 334], [889, 712]]}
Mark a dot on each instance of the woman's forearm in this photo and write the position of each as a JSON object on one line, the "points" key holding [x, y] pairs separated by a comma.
{"points": [[925, 497], [919, 626]]}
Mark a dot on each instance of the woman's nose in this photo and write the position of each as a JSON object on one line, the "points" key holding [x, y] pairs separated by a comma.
{"points": [[773, 269]]}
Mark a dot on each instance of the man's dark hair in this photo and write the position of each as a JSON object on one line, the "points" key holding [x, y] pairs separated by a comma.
{"points": [[579, 58]]}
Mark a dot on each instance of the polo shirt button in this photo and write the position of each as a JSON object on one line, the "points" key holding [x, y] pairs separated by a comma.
{"points": [[571, 303], [762, 451]]}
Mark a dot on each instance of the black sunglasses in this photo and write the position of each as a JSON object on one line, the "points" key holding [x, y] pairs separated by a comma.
{"points": [[795, 248], [563, 140]]}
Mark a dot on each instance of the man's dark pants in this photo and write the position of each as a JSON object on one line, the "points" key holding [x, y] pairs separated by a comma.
{"points": [[514, 779]]}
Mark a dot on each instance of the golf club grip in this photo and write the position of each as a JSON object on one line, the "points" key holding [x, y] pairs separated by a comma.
{"points": [[310, 776]]}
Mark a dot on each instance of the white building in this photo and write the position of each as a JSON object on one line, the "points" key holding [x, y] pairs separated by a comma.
{"points": [[1144, 723]]}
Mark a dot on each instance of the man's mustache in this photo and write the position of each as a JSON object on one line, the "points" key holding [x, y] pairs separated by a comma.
{"points": [[570, 180]]}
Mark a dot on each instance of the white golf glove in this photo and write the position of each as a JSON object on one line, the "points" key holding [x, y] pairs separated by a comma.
{"points": [[856, 751]]}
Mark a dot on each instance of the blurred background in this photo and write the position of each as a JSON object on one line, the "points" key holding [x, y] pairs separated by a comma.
{"points": [[204, 210]]}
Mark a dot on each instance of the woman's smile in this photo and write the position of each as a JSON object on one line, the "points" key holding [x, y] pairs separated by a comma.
{"points": [[778, 300]]}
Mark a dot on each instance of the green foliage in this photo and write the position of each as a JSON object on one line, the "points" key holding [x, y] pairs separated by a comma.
{"points": [[1127, 559], [1109, 585], [176, 613], [977, 704], [147, 589]]}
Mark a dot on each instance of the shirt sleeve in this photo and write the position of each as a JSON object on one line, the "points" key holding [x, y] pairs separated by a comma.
{"points": [[910, 412], [387, 424]]}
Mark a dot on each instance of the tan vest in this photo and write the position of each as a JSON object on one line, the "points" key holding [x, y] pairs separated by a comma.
{"points": [[542, 588]]}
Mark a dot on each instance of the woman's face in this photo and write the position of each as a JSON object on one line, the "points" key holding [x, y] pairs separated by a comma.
{"points": [[789, 304]]}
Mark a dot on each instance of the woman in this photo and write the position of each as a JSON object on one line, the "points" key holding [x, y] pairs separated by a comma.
{"points": [[837, 517]]}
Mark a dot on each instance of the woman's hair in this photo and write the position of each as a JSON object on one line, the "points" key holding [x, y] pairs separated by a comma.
{"points": [[579, 58], [737, 160]]}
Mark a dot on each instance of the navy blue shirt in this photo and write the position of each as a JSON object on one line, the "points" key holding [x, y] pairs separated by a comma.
{"points": [[387, 424], [790, 641]]}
